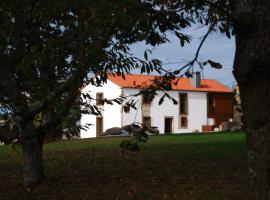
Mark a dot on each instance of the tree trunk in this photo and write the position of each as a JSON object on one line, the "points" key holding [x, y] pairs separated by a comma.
{"points": [[252, 72], [32, 156]]}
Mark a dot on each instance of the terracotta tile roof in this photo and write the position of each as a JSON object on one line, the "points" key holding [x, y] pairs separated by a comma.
{"points": [[144, 81]]}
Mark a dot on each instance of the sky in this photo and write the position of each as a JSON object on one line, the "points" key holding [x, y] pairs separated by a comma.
{"points": [[217, 47]]}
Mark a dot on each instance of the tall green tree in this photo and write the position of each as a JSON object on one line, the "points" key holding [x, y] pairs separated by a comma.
{"points": [[49, 48]]}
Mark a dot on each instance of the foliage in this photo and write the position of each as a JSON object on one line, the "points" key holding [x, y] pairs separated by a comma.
{"points": [[130, 145], [49, 52], [138, 136]]}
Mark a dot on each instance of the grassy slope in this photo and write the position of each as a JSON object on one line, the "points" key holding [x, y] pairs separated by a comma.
{"points": [[211, 166]]}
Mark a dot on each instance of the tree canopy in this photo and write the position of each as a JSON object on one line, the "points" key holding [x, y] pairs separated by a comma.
{"points": [[48, 52], [48, 49]]}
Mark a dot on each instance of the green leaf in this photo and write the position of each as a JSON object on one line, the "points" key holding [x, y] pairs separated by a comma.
{"points": [[145, 55], [215, 65]]}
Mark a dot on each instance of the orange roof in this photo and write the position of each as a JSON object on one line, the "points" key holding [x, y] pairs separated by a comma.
{"points": [[144, 81]]}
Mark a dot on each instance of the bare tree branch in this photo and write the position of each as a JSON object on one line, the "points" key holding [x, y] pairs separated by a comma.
{"points": [[191, 63]]}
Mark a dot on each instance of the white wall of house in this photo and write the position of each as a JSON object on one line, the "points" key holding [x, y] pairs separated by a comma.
{"points": [[111, 113], [113, 116], [197, 111], [133, 115]]}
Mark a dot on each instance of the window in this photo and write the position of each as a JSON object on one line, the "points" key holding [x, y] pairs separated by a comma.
{"points": [[146, 99], [183, 122], [99, 126], [183, 105], [183, 110], [211, 104], [99, 98], [146, 121]]}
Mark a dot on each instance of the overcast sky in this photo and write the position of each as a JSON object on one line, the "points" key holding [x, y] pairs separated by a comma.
{"points": [[217, 48]]}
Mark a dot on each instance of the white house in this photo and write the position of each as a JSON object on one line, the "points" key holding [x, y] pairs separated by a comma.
{"points": [[201, 103]]}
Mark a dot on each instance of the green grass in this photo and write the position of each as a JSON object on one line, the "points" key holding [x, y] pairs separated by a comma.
{"points": [[188, 167]]}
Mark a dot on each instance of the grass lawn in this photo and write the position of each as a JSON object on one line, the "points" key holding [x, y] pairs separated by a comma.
{"points": [[188, 167]]}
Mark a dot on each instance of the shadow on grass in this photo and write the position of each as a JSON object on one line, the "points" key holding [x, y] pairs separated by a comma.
{"points": [[168, 167]]}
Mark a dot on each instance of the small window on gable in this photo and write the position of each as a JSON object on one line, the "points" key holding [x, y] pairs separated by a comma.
{"points": [[99, 98], [146, 121], [183, 103], [183, 122]]}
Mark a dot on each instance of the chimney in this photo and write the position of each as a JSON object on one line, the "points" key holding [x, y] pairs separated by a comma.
{"points": [[195, 80]]}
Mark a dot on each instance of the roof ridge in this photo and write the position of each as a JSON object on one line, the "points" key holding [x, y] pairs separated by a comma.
{"points": [[145, 75]]}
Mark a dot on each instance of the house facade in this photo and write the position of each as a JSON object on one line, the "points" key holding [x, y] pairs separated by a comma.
{"points": [[201, 102]]}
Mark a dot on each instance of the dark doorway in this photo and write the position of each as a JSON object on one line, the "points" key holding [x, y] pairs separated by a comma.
{"points": [[168, 125], [99, 126]]}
